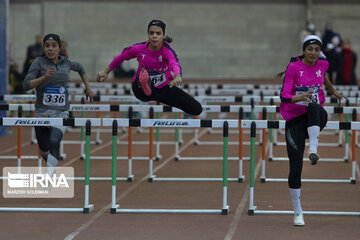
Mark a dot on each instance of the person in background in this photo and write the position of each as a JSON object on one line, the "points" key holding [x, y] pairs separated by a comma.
{"points": [[63, 49], [33, 51], [16, 80], [310, 29], [331, 42], [345, 65], [158, 73], [49, 74], [302, 100]]}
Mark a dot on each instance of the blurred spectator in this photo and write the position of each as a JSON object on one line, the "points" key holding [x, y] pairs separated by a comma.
{"points": [[63, 49], [310, 29], [33, 51], [331, 47], [345, 64], [16, 80]]}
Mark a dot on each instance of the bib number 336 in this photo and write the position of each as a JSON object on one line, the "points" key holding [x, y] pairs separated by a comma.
{"points": [[54, 96]]}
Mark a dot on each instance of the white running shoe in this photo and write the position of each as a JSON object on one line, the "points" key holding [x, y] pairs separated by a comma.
{"points": [[299, 219], [313, 157]]}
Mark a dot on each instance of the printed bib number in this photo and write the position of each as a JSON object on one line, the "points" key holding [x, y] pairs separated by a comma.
{"points": [[157, 78], [314, 98], [54, 96]]}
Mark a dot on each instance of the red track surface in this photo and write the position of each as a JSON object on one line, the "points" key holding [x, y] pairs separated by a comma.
{"points": [[140, 193]]}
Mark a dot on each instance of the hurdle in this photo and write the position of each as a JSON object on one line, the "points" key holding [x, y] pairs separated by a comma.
{"points": [[115, 208], [57, 122], [267, 124]]}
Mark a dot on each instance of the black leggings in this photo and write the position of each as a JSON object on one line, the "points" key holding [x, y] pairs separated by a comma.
{"points": [[172, 96], [49, 140], [296, 133]]}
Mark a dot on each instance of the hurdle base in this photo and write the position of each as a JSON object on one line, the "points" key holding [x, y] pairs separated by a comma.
{"points": [[241, 179], [225, 211], [152, 178], [113, 210], [130, 178], [352, 181], [176, 211], [88, 209], [262, 180], [158, 158], [270, 159], [63, 156], [82, 157], [335, 213]]}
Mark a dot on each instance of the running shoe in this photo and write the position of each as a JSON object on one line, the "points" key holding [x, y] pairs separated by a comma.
{"points": [[299, 219], [313, 157], [144, 81]]}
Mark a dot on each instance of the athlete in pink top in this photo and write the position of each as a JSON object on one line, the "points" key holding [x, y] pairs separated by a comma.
{"points": [[164, 60], [299, 79], [158, 71], [302, 100]]}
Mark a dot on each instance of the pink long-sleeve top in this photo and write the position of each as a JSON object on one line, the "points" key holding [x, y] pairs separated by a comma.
{"points": [[163, 61], [299, 78]]}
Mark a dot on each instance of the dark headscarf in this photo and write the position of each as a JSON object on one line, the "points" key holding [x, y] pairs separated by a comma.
{"points": [[158, 23], [51, 36]]}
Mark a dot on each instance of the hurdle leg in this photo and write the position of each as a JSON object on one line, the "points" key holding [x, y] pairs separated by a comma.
{"points": [[151, 167], [87, 207], [353, 147], [82, 137], [39, 161], [19, 150], [62, 154], [346, 157], [225, 207], [158, 156], [177, 157], [130, 175], [252, 208], [263, 148], [271, 147], [241, 176], [114, 206]]}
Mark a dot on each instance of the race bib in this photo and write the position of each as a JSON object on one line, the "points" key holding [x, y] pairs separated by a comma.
{"points": [[314, 98], [54, 96], [157, 78]]}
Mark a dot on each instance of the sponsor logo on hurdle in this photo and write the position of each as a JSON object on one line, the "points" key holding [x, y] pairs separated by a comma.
{"points": [[32, 122], [32, 182], [209, 99], [84, 108], [170, 123]]}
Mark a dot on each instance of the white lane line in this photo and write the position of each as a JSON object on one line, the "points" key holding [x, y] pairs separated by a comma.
{"points": [[14, 148], [129, 190], [240, 209]]}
